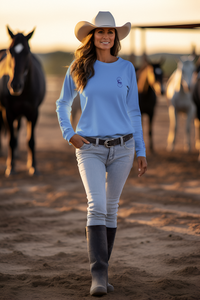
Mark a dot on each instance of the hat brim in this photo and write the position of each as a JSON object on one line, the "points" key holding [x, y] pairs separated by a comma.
{"points": [[83, 28]]}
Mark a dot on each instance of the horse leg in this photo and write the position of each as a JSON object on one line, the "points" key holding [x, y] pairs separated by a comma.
{"points": [[197, 135], [16, 126], [150, 132], [11, 147], [1, 126], [31, 164], [190, 117], [172, 128]]}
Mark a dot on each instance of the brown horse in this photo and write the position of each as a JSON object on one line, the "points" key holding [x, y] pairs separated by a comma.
{"points": [[150, 84], [22, 89], [196, 99]]}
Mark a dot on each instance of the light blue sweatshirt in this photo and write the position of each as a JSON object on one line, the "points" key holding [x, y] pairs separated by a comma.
{"points": [[109, 104]]}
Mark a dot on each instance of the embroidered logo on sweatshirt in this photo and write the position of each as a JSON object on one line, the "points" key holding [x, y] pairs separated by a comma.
{"points": [[119, 82]]}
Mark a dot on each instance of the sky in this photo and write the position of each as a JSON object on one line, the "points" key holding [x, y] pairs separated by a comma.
{"points": [[55, 20]]}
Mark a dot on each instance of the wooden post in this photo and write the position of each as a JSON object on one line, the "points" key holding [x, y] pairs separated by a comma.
{"points": [[132, 48]]}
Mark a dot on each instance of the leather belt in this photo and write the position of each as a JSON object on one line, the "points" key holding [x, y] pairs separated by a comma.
{"points": [[111, 142]]}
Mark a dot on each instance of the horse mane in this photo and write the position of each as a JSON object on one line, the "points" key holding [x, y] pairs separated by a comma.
{"points": [[2, 54], [4, 65], [174, 83], [145, 77]]}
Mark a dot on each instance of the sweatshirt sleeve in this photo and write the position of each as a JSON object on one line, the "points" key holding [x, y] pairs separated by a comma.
{"points": [[135, 114], [64, 106]]}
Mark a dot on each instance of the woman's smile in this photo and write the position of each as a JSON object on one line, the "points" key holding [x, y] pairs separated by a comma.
{"points": [[104, 38]]}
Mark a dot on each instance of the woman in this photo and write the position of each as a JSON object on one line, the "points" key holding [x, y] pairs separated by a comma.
{"points": [[107, 135]]}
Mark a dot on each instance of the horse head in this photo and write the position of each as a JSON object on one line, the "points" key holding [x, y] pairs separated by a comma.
{"points": [[158, 72], [188, 68], [18, 61], [151, 75], [181, 78]]}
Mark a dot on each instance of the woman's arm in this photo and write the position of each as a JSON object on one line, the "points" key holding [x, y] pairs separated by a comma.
{"points": [[64, 106], [142, 165], [135, 114]]}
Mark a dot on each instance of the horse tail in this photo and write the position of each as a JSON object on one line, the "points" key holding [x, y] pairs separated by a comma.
{"points": [[141, 83], [174, 83]]}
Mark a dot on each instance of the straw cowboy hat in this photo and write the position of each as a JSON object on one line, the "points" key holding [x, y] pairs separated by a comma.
{"points": [[103, 19]]}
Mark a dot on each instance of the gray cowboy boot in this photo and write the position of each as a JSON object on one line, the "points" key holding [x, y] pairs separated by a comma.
{"points": [[98, 258], [110, 240]]}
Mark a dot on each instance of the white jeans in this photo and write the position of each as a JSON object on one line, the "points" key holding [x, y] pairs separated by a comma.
{"points": [[104, 172]]}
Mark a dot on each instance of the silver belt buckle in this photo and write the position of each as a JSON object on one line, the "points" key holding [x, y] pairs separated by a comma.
{"points": [[106, 143]]}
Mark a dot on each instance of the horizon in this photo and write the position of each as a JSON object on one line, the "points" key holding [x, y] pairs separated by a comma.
{"points": [[55, 21]]}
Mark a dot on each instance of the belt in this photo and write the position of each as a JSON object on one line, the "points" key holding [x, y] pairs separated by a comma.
{"points": [[111, 142]]}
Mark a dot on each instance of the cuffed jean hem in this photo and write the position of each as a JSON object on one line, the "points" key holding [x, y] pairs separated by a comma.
{"points": [[112, 224], [94, 222]]}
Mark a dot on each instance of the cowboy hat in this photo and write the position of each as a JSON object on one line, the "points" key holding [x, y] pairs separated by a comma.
{"points": [[103, 19]]}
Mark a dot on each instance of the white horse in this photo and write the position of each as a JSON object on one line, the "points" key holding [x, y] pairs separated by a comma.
{"points": [[178, 92], [196, 99]]}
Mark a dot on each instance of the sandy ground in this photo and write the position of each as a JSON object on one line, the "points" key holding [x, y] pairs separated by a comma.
{"points": [[43, 251]]}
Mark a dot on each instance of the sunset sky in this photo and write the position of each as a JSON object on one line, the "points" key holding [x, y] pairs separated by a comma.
{"points": [[55, 22]]}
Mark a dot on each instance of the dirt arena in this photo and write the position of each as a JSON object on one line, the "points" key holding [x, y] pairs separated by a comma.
{"points": [[43, 251]]}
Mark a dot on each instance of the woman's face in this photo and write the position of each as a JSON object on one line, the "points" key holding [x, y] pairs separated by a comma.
{"points": [[104, 38]]}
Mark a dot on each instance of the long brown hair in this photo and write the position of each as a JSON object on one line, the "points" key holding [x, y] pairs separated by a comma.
{"points": [[85, 56]]}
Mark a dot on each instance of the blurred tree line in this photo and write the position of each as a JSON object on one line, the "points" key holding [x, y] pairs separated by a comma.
{"points": [[56, 63]]}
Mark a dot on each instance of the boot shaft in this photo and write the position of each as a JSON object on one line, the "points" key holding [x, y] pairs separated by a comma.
{"points": [[111, 232], [98, 258]]}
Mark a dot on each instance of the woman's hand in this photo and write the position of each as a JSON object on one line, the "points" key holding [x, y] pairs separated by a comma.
{"points": [[142, 165], [77, 141]]}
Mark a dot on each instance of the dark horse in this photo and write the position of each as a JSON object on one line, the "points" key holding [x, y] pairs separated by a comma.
{"points": [[150, 84], [2, 123], [22, 89], [196, 99]]}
